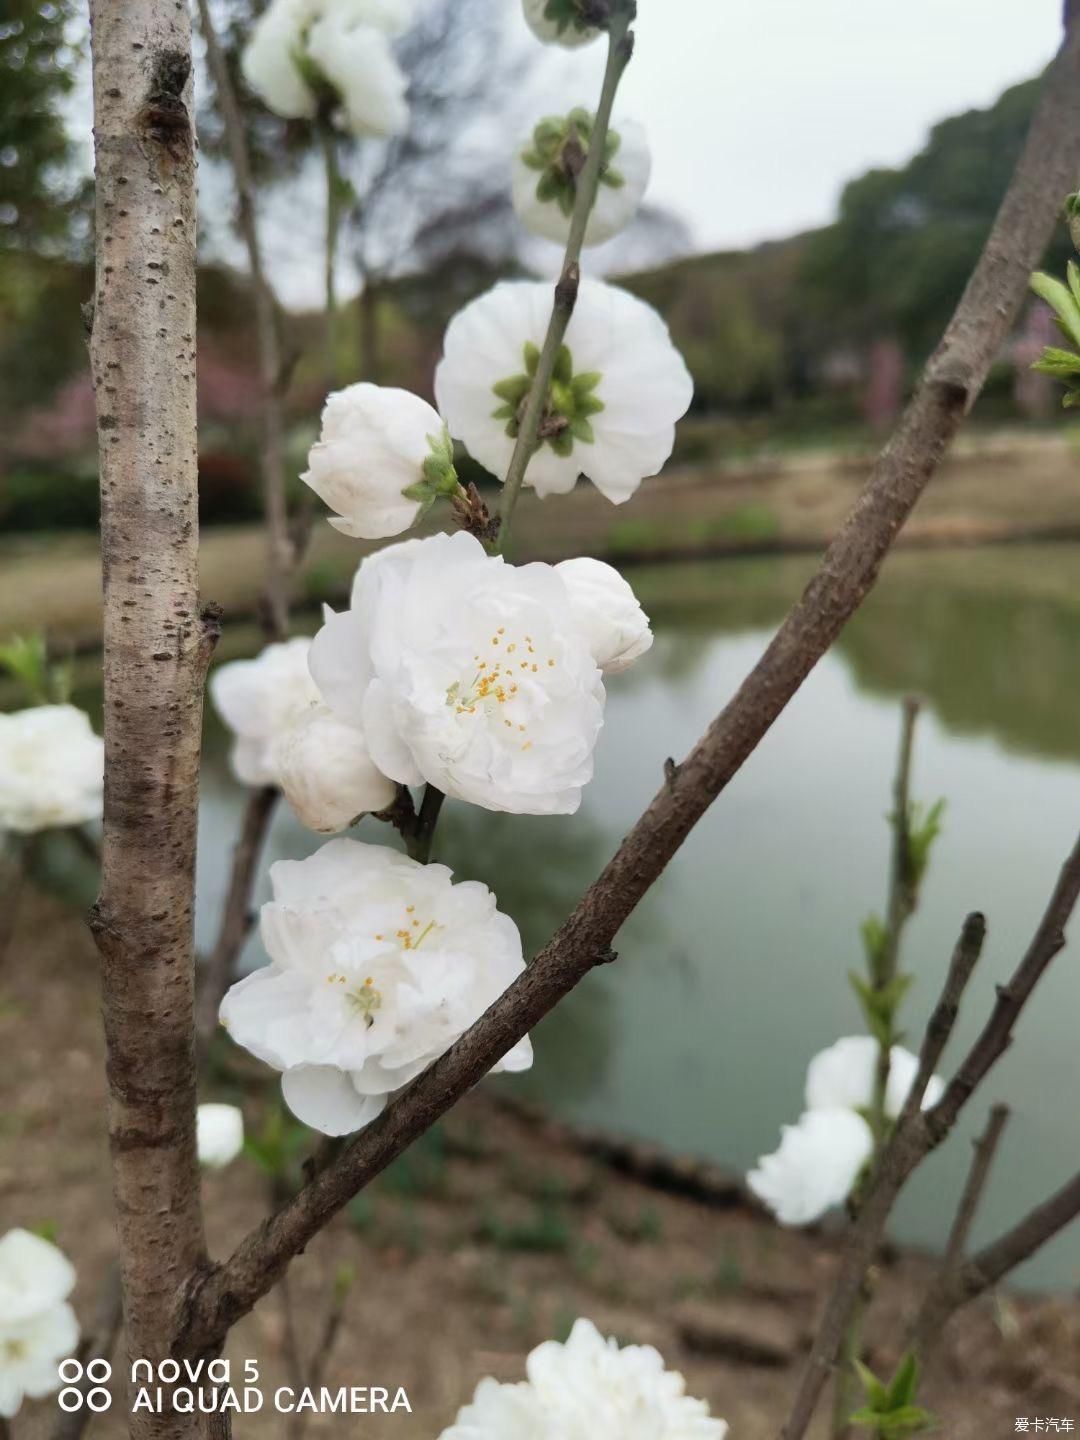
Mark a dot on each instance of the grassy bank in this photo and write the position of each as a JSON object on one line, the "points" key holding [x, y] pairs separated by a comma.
{"points": [[992, 489]]}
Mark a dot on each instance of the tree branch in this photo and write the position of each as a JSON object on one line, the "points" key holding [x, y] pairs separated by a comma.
{"points": [[237, 917], [157, 649], [620, 50], [281, 557], [997, 1034], [848, 570], [908, 1145], [1018, 1244], [937, 1303], [918, 1132]]}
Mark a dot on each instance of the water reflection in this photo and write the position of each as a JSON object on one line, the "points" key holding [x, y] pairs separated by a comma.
{"points": [[732, 973]]}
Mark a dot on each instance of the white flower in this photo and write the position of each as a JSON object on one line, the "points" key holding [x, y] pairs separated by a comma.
{"points": [[468, 673], [378, 964], [376, 445], [259, 700], [328, 777], [820, 1158], [299, 48], [356, 59], [817, 1164], [547, 163], [268, 60], [558, 22], [219, 1134], [608, 611], [619, 386], [51, 769], [38, 1328], [843, 1075], [588, 1389]]}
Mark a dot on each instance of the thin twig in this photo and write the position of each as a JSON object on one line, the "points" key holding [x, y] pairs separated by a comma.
{"points": [[907, 1146], [848, 570], [328, 143], [919, 1132], [237, 917], [281, 555], [420, 840], [97, 1344], [620, 50], [996, 1036], [937, 1303], [1019, 1244]]}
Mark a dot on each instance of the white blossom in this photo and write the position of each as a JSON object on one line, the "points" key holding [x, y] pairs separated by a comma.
{"points": [[376, 445], [608, 612], [545, 180], [378, 964], [51, 769], [329, 779], [358, 61], [817, 1164], [619, 386], [468, 673], [588, 1389], [843, 1075], [260, 700], [38, 1327], [820, 1158], [219, 1134], [558, 22], [300, 48]]}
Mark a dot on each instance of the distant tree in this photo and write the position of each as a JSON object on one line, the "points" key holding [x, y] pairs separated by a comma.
{"points": [[898, 256], [37, 73]]}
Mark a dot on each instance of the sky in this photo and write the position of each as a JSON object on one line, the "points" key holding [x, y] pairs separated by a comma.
{"points": [[760, 110]]}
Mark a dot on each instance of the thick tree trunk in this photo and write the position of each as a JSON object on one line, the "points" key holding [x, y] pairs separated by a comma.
{"points": [[157, 647]]}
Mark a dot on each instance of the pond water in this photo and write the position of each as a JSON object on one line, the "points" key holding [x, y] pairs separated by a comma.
{"points": [[733, 972]]}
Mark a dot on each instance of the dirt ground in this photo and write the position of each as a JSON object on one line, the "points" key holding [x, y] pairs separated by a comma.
{"points": [[492, 1236]]}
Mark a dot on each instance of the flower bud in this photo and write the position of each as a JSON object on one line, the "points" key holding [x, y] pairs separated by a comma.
{"points": [[616, 627], [548, 163], [560, 22], [219, 1135], [382, 457], [327, 775]]}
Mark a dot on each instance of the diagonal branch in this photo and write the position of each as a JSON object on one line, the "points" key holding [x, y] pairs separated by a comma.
{"points": [[1050, 160]]}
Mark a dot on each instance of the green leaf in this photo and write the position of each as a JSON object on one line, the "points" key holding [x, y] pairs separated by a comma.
{"points": [[876, 1392], [923, 829], [1072, 274], [874, 937], [1057, 362], [1060, 299], [905, 1382]]}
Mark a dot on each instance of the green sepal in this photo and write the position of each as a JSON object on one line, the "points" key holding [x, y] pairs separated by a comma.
{"points": [[1061, 300], [563, 443], [582, 430], [532, 358]]}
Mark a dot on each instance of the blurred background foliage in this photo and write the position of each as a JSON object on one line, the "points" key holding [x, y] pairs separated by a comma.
{"points": [[813, 340]]}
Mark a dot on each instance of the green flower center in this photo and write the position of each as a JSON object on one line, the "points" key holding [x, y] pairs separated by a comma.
{"points": [[560, 147], [569, 403], [566, 15]]}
